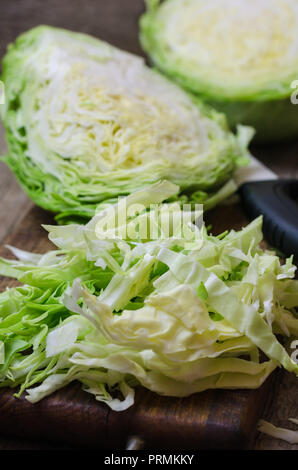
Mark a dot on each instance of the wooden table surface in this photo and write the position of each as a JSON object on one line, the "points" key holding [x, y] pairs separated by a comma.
{"points": [[116, 22]]}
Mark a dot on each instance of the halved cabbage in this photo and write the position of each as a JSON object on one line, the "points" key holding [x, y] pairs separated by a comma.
{"points": [[86, 122], [175, 314], [240, 56]]}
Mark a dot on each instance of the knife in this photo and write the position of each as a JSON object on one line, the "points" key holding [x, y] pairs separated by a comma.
{"points": [[263, 193]]}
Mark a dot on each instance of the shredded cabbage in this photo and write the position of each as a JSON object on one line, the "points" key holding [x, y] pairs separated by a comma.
{"points": [[178, 313], [86, 122], [239, 56]]}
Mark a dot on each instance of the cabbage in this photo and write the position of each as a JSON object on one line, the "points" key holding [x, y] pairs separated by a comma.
{"points": [[178, 313], [240, 56], [86, 122], [279, 433]]}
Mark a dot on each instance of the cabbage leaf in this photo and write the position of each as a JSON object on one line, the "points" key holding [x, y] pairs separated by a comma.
{"points": [[178, 313], [238, 56]]}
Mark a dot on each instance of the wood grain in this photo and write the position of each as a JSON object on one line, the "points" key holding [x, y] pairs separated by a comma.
{"points": [[116, 22]]}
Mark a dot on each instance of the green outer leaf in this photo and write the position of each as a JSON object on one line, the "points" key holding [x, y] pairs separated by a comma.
{"points": [[177, 315], [268, 110]]}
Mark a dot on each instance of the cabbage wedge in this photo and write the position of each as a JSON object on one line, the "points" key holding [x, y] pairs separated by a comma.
{"points": [[240, 56], [179, 313], [86, 122]]}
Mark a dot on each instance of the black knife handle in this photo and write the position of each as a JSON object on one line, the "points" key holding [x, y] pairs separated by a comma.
{"points": [[277, 201]]}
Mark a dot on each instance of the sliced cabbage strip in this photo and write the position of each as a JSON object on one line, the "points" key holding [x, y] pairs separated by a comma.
{"points": [[179, 313]]}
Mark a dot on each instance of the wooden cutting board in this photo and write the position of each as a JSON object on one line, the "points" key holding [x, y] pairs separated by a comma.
{"points": [[212, 419]]}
